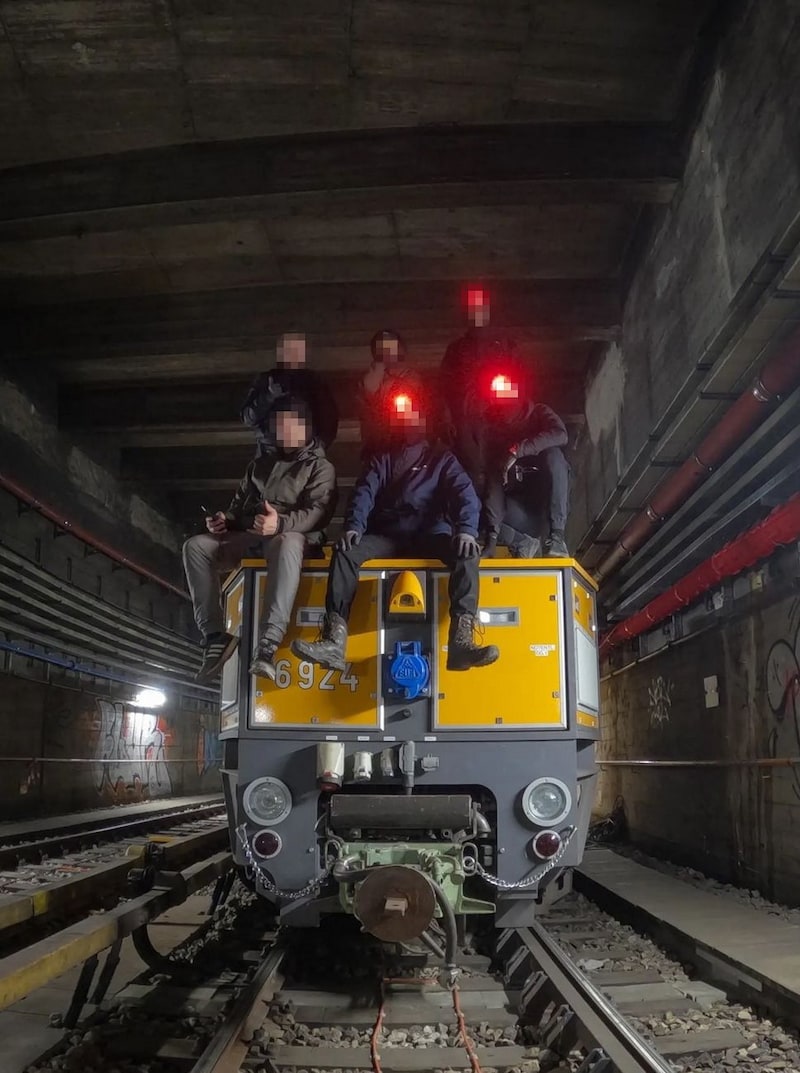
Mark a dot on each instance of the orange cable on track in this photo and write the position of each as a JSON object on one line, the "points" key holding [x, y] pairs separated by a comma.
{"points": [[466, 1040], [376, 1031]]}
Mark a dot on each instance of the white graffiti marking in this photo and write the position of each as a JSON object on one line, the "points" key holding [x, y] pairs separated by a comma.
{"points": [[659, 695], [132, 748]]}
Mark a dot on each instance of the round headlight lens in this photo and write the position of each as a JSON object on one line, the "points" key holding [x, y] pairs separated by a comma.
{"points": [[546, 801], [267, 801]]}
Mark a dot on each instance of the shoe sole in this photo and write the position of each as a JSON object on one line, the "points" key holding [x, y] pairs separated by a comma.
{"points": [[327, 664], [485, 662], [263, 670], [216, 667]]}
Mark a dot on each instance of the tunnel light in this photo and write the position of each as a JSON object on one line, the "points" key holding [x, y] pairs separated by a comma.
{"points": [[149, 698]]}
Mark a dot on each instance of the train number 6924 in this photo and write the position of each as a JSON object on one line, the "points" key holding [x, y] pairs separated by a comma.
{"points": [[309, 676]]}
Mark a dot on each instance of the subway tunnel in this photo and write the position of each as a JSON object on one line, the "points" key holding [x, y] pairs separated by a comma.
{"points": [[182, 182]]}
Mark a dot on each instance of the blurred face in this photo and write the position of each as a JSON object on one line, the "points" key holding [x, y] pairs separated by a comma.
{"points": [[405, 414], [478, 308], [292, 350], [291, 430], [387, 350]]}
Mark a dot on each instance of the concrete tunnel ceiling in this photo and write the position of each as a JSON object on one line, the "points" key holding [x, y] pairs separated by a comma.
{"points": [[183, 180]]}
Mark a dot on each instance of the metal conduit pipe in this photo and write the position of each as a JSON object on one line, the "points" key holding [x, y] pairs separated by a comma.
{"points": [[26, 496], [778, 375], [782, 526]]}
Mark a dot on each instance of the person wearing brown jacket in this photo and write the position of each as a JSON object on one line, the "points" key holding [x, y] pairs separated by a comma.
{"points": [[284, 497]]}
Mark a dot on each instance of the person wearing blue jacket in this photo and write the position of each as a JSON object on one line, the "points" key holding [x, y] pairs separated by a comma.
{"points": [[414, 500]]}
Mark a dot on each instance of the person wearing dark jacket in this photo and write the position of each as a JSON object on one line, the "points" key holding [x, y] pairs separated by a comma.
{"points": [[290, 377], [388, 377], [469, 367], [413, 500], [530, 431], [284, 496]]}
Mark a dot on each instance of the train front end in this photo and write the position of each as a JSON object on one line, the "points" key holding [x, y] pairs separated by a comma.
{"points": [[398, 791]]}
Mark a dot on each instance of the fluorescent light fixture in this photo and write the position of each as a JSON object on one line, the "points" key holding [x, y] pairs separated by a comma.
{"points": [[149, 698]]}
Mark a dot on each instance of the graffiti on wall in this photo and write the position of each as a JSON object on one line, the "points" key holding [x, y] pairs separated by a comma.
{"points": [[208, 747], [131, 754], [659, 700], [782, 674]]}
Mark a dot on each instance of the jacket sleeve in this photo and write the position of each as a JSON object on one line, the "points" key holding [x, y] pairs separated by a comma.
{"points": [[326, 412], [238, 515], [545, 430], [458, 492], [368, 486], [316, 503]]}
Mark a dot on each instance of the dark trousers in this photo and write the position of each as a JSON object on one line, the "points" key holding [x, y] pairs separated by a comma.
{"points": [[345, 565], [470, 450], [555, 469]]}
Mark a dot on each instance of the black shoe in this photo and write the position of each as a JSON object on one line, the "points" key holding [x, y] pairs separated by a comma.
{"points": [[462, 652], [555, 546], [263, 665], [329, 650], [218, 650], [528, 548]]}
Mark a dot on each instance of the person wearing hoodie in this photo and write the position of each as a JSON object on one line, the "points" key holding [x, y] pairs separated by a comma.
{"points": [[388, 376], [289, 377], [285, 495], [525, 433], [468, 371], [414, 499]]}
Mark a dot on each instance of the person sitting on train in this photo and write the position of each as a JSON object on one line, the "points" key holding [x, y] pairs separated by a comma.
{"points": [[387, 377], [524, 443], [285, 496], [412, 500], [290, 376], [469, 365]]}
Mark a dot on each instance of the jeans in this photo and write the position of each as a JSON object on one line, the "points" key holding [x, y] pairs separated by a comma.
{"points": [[343, 574], [207, 557]]}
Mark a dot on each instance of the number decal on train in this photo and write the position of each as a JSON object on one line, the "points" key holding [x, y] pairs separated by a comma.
{"points": [[307, 676]]}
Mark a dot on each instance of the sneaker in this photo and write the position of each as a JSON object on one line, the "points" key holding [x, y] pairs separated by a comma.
{"points": [[528, 548], [218, 650], [556, 547], [462, 652], [263, 665], [329, 650]]}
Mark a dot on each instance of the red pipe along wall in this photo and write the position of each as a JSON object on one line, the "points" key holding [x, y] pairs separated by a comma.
{"points": [[781, 527], [778, 376], [87, 537]]}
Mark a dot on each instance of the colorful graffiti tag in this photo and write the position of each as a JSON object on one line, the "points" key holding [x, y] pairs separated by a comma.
{"points": [[208, 748], [782, 673], [131, 754]]}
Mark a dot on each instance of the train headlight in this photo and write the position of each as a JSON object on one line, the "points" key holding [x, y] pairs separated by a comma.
{"points": [[267, 801], [546, 801]]}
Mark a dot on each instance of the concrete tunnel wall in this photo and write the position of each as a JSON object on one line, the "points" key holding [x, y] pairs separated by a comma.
{"points": [[739, 195], [72, 741]]}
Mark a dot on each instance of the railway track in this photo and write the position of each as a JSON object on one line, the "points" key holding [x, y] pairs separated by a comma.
{"points": [[58, 840], [556, 996]]}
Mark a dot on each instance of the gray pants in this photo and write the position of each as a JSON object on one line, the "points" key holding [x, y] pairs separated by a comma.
{"points": [[207, 557]]}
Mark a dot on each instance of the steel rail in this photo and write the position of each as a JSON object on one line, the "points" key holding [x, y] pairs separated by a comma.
{"points": [[599, 1024], [220, 1056], [18, 851]]}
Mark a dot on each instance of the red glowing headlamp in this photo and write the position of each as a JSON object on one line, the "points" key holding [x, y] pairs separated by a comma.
{"points": [[503, 387], [402, 404]]}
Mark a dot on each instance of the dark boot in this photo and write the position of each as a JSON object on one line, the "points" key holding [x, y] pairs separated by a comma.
{"points": [[556, 546], [527, 548], [263, 665], [329, 651], [462, 652]]}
